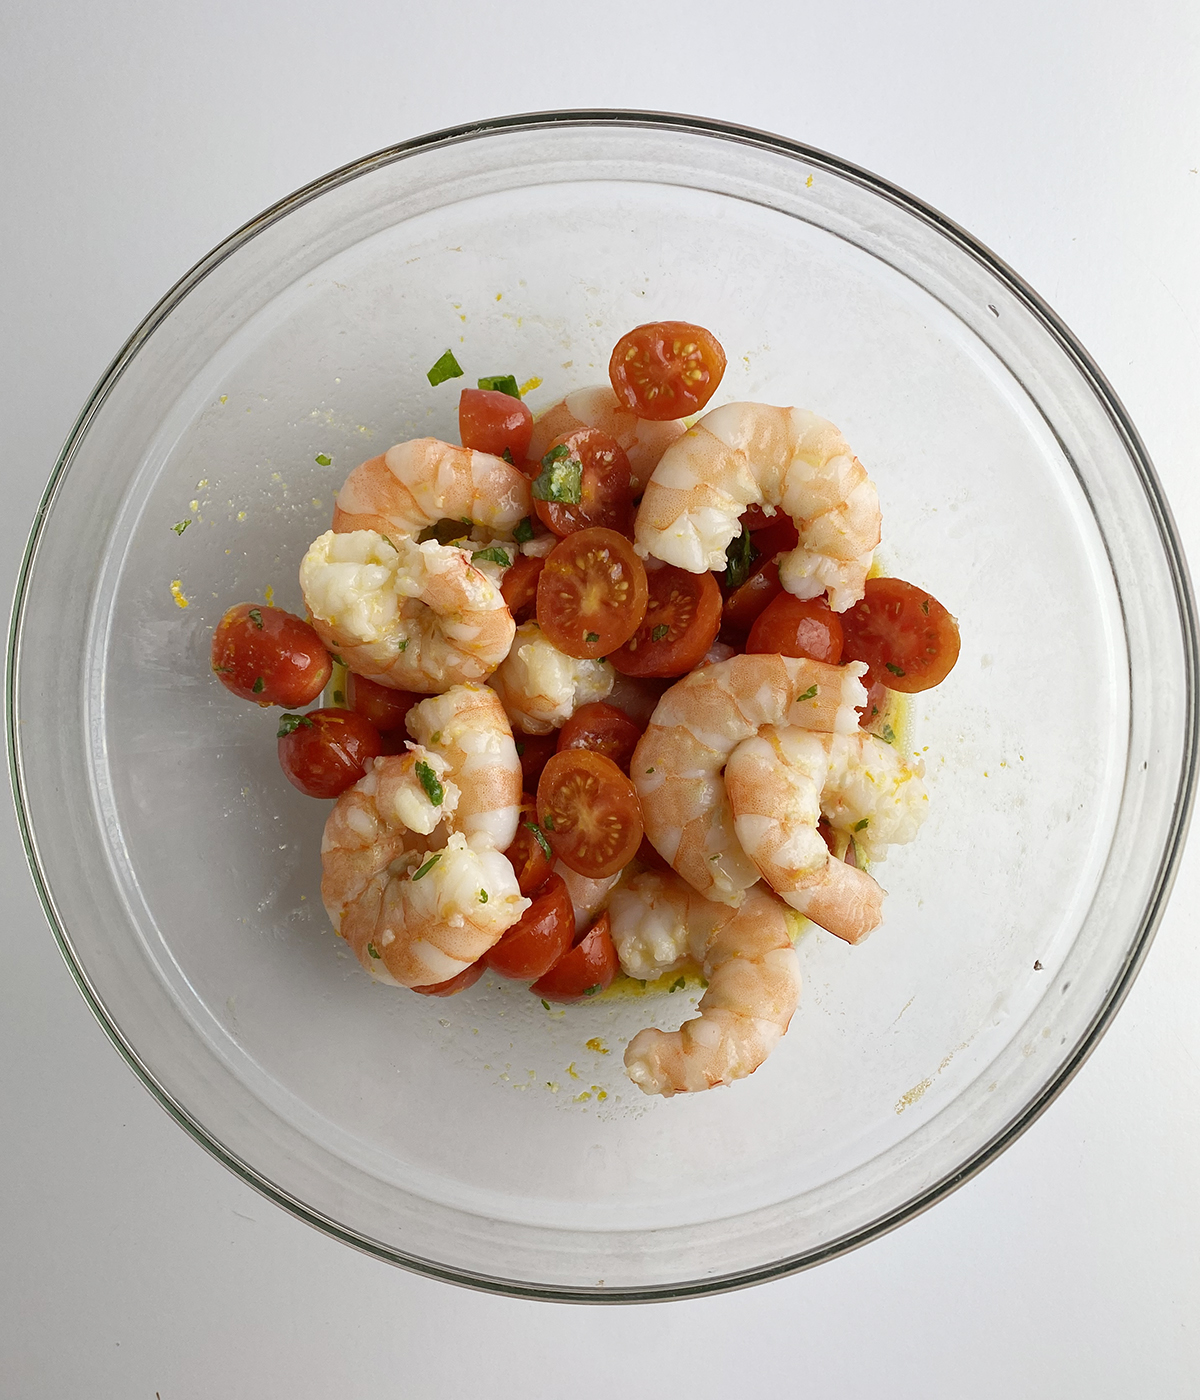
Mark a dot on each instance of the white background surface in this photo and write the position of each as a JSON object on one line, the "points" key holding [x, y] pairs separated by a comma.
{"points": [[136, 135]]}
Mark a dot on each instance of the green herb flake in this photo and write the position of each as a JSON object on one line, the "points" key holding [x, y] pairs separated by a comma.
{"points": [[502, 384], [649, 771], [388, 542], [545, 1003], [493, 555], [429, 781], [591, 991], [862, 825], [561, 477], [483, 896], [180, 526], [447, 367], [335, 657], [288, 724], [257, 687], [374, 952], [889, 734], [524, 531], [541, 840], [809, 694], [549, 822], [925, 606], [519, 746], [339, 697], [677, 985], [427, 867], [894, 669], [507, 455], [739, 560], [323, 460], [403, 644], [591, 637], [256, 617], [659, 632]]}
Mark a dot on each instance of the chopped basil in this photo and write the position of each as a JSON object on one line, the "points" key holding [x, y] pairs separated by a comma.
{"points": [[862, 825], [520, 747], [429, 781], [447, 367], [678, 983], [256, 617], [591, 637], [322, 460], [549, 822], [386, 541], [541, 840], [524, 531], [889, 734], [502, 384], [925, 606], [591, 991], [374, 952], [739, 560], [403, 644], [483, 896], [507, 455], [659, 632], [339, 697], [649, 771], [809, 694], [427, 867], [288, 724], [436, 737], [337, 658], [894, 669], [545, 1003], [180, 526], [257, 687], [493, 556], [561, 477], [223, 670]]}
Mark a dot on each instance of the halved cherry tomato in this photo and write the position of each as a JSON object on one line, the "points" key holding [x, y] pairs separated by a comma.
{"points": [[534, 751], [776, 535], [683, 616], [903, 633], [489, 421], [529, 854], [519, 588], [602, 729], [269, 656], [589, 812], [798, 627], [666, 369], [466, 978], [592, 593], [583, 971], [384, 707], [596, 464], [539, 938], [744, 604], [326, 751]]}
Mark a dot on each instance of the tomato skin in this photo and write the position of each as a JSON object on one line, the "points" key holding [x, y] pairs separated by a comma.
{"points": [[606, 497], [689, 606], [592, 593], [452, 985], [666, 369], [327, 751], [905, 636], [270, 656], [526, 855], [745, 604], [791, 626], [384, 707], [539, 938], [489, 421], [519, 588], [601, 729], [775, 536], [534, 751], [589, 813], [876, 705], [585, 970]]}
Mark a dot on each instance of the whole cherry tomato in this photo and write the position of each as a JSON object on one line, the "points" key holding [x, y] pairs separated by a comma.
{"points": [[519, 588], [592, 593], [903, 633], [584, 481], [602, 729], [583, 971], [683, 616], [326, 751], [798, 627], [466, 978], [539, 938], [269, 656], [667, 369], [491, 421], [589, 813], [384, 707]]}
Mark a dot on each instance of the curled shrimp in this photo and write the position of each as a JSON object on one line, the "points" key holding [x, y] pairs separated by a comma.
{"points": [[417, 617], [753, 980], [678, 764], [413, 874], [542, 687], [744, 454], [643, 441]]}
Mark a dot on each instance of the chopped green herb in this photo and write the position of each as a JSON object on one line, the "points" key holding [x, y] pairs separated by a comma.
{"points": [[427, 867], [436, 737], [493, 555], [520, 747], [374, 952], [862, 825], [925, 606], [256, 617], [659, 632], [447, 367], [337, 658], [403, 644], [894, 669], [649, 771], [678, 983], [483, 896], [465, 520], [429, 781], [524, 531], [549, 822], [322, 460], [561, 477], [591, 991], [386, 541], [502, 383], [339, 697], [545, 1003], [889, 734], [809, 694], [223, 670], [288, 724], [180, 526], [257, 687], [591, 637], [739, 560], [507, 455], [541, 840]]}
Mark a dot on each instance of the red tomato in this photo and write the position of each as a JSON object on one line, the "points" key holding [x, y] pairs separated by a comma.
{"points": [[583, 971], [903, 633], [592, 593], [466, 978], [798, 627], [539, 938], [520, 587], [489, 421], [597, 465], [876, 705], [683, 616], [534, 751], [744, 604], [271, 656], [775, 536], [602, 729], [384, 707], [529, 854], [326, 751], [667, 369], [589, 813]]}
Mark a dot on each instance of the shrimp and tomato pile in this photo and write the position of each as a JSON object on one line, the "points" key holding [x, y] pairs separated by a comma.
{"points": [[616, 699]]}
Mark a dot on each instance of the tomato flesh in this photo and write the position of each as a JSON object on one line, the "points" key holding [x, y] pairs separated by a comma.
{"points": [[466, 978], [683, 616], [527, 854], [539, 938], [601, 729], [791, 626], [489, 421], [269, 656], [605, 495], [519, 588], [745, 604], [905, 636], [589, 813], [666, 369], [326, 751], [386, 708], [592, 593], [877, 699], [585, 970]]}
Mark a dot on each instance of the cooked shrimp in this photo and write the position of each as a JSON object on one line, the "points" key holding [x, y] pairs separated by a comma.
{"points": [[746, 454], [416, 484], [643, 441], [414, 616], [542, 687], [588, 896], [678, 762], [753, 980]]}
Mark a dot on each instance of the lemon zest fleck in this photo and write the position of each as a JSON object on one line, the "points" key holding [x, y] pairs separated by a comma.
{"points": [[177, 593]]}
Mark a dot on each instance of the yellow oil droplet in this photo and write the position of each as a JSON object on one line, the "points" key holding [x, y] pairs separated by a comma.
{"points": [[269, 595], [808, 182], [596, 1045], [202, 483], [241, 515], [581, 1098], [601, 1095], [530, 385], [177, 593], [224, 398], [571, 1070], [193, 505], [499, 295], [317, 502]]}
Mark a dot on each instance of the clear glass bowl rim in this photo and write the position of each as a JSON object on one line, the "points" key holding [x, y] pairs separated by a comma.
{"points": [[1168, 535]]}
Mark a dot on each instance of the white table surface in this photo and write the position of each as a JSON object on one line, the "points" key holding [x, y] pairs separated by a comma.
{"points": [[1066, 135]]}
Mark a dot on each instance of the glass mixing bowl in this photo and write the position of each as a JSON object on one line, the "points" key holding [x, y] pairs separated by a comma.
{"points": [[483, 1139]]}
